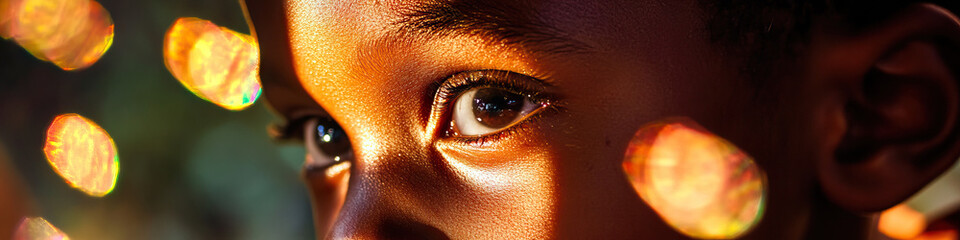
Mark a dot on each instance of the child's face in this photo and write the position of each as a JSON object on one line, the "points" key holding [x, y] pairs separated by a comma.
{"points": [[563, 89]]}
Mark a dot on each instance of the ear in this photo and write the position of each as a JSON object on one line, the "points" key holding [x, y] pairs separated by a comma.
{"points": [[893, 107]]}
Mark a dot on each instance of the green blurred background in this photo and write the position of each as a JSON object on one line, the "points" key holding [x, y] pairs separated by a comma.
{"points": [[188, 169]]}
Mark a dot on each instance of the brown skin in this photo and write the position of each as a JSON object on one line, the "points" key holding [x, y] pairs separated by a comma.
{"points": [[857, 123]]}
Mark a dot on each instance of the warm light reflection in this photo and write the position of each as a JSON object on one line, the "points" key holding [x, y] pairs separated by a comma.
{"points": [[72, 34], [215, 63], [336, 170], [37, 228], [902, 222], [83, 154], [698, 183]]}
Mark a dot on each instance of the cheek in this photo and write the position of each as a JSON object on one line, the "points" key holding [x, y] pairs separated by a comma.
{"points": [[512, 183], [594, 199], [591, 134]]}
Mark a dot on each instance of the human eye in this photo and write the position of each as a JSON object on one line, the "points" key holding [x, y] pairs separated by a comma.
{"points": [[484, 105], [326, 142], [485, 110]]}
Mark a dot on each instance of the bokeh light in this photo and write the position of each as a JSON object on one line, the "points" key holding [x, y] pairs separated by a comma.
{"points": [[83, 154], [37, 228], [5, 16], [700, 184], [215, 63], [72, 34], [902, 222]]}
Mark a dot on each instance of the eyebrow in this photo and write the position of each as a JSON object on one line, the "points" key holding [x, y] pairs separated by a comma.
{"points": [[501, 22]]}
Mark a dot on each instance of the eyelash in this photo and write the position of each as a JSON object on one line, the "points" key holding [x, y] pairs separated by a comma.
{"points": [[450, 90]]}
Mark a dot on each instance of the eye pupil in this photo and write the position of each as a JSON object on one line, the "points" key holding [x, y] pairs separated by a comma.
{"points": [[331, 139], [496, 108]]}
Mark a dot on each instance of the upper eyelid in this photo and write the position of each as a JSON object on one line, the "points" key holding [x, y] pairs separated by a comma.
{"points": [[459, 82]]}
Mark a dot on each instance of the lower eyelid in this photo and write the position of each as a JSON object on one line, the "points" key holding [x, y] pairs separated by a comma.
{"points": [[492, 140], [325, 171]]}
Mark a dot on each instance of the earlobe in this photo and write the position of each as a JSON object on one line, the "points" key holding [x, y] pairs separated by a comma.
{"points": [[900, 109]]}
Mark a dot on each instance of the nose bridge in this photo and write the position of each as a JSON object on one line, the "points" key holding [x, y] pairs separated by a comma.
{"points": [[389, 183], [362, 210]]}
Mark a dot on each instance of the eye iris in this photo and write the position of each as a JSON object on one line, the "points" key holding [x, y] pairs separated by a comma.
{"points": [[496, 108], [331, 139]]}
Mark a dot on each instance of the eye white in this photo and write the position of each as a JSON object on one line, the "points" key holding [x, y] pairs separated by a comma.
{"points": [[468, 124]]}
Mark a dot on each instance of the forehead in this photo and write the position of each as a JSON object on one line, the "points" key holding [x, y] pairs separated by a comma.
{"points": [[366, 42]]}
